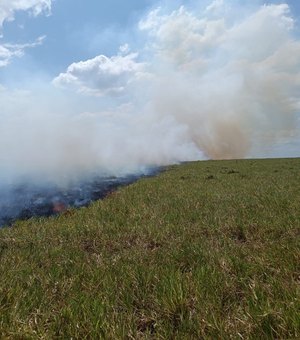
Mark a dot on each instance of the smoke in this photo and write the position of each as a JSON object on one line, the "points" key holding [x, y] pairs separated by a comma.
{"points": [[233, 82], [212, 83]]}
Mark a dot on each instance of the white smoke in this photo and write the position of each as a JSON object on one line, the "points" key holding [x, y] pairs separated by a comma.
{"points": [[231, 83], [206, 84]]}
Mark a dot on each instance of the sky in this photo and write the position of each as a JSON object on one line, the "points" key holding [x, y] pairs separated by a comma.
{"points": [[76, 30], [118, 84]]}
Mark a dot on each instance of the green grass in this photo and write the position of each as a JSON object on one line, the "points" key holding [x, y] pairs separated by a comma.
{"points": [[205, 250]]}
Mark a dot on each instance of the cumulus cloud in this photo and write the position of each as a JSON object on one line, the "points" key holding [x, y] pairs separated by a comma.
{"points": [[102, 75], [35, 7]]}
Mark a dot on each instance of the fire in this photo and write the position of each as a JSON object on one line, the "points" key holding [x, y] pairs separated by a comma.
{"points": [[59, 207]]}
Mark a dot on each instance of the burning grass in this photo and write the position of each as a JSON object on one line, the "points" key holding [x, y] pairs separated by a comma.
{"points": [[204, 250]]}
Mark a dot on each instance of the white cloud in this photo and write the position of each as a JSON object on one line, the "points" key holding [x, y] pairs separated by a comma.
{"points": [[152, 21], [9, 7], [261, 34], [215, 6], [183, 37], [102, 75], [9, 51], [124, 49], [7, 12]]}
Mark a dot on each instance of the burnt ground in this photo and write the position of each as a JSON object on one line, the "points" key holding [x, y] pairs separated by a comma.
{"points": [[26, 200]]}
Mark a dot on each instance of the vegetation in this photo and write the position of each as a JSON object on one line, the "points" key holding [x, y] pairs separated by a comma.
{"points": [[205, 250]]}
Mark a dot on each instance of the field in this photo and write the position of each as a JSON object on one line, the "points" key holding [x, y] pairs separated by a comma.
{"points": [[205, 250]]}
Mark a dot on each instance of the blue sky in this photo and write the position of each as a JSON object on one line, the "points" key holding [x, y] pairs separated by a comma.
{"points": [[75, 30], [178, 77], [78, 30]]}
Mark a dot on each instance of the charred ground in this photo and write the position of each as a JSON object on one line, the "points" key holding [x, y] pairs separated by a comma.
{"points": [[26, 200]]}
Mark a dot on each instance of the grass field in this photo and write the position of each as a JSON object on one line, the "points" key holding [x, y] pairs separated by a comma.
{"points": [[205, 250]]}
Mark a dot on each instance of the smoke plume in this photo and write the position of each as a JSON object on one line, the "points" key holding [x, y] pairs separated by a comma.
{"points": [[212, 83]]}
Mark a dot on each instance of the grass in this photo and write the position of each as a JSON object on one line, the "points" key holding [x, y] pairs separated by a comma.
{"points": [[205, 250]]}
